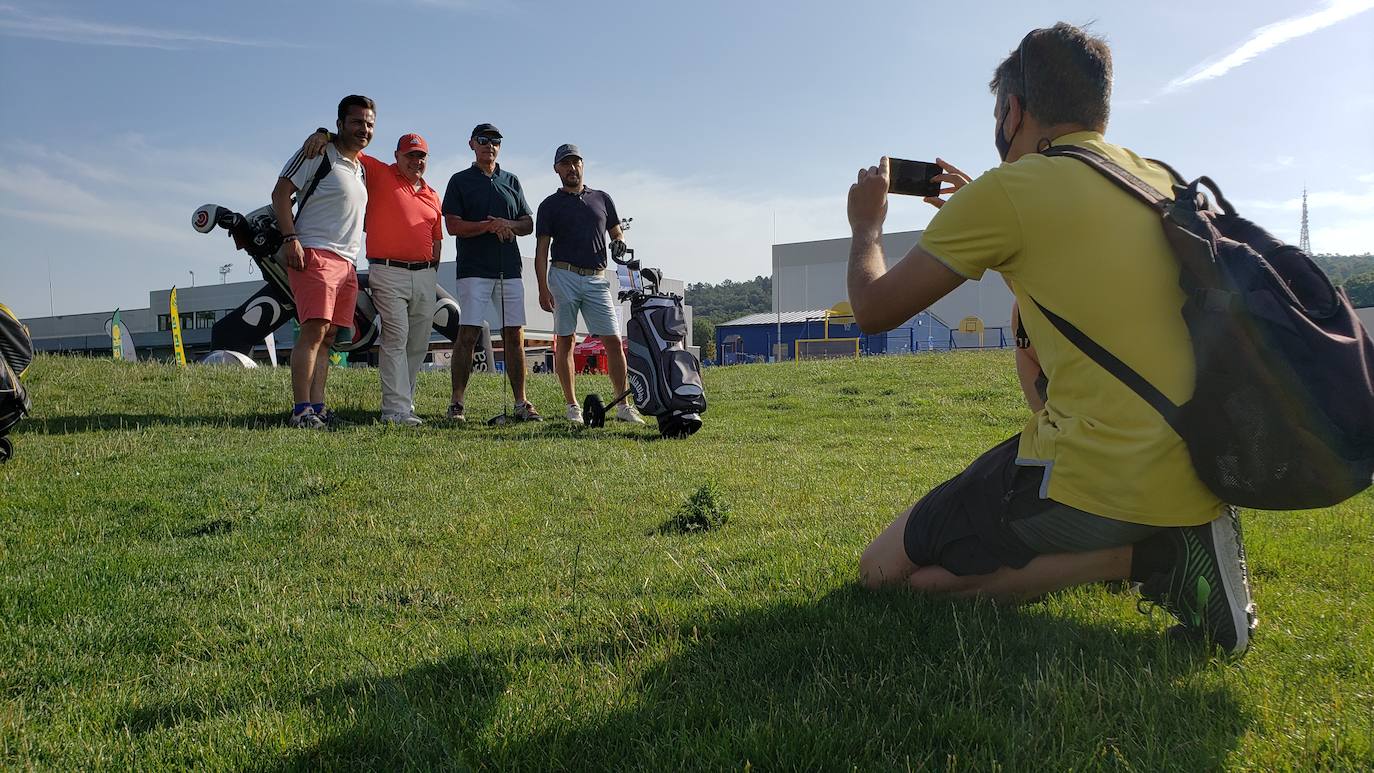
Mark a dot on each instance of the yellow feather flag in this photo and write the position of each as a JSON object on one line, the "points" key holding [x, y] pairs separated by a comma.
{"points": [[117, 336], [176, 331]]}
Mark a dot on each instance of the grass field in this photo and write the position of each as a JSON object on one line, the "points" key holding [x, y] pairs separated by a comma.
{"points": [[188, 584]]}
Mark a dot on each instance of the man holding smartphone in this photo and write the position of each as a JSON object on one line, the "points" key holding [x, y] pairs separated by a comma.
{"points": [[1097, 487]]}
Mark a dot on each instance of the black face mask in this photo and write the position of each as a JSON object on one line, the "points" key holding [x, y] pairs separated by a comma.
{"points": [[1003, 143]]}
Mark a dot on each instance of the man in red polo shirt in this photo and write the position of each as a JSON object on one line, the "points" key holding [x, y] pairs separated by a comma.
{"points": [[404, 238]]}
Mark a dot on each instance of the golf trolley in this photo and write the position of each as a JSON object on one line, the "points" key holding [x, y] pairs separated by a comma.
{"points": [[664, 377]]}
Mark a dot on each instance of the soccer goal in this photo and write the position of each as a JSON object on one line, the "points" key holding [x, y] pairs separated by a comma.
{"points": [[826, 348]]}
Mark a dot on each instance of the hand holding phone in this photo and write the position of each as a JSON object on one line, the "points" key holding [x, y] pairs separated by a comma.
{"points": [[913, 178]]}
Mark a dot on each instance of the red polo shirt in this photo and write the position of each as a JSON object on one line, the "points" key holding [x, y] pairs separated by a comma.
{"points": [[402, 223]]}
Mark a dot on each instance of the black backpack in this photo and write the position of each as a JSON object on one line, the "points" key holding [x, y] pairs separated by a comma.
{"points": [[1282, 412], [16, 352]]}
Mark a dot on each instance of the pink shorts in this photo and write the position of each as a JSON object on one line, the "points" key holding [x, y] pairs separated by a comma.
{"points": [[327, 288]]}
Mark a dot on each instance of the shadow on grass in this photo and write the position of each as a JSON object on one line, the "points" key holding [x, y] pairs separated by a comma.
{"points": [[525, 431], [64, 425], [877, 681]]}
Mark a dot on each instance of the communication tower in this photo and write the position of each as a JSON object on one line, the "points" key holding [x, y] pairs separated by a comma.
{"points": [[1304, 243]]}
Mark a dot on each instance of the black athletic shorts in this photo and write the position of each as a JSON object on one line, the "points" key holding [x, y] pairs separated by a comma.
{"points": [[992, 515]]}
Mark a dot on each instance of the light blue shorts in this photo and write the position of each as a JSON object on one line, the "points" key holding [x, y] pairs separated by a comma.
{"points": [[590, 295]]}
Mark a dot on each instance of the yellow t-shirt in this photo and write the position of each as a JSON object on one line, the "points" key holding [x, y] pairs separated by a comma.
{"points": [[1064, 235]]}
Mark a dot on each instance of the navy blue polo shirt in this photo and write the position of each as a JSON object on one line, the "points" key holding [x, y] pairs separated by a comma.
{"points": [[473, 196], [578, 223]]}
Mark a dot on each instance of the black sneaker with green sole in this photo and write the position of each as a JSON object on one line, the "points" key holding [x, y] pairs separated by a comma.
{"points": [[1208, 587]]}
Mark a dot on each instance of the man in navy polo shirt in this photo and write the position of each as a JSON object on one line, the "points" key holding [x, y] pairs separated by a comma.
{"points": [[573, 223], [485, 208]]}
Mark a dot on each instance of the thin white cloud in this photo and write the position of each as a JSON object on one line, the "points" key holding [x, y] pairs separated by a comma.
{"points": [[15, 22], [1271, 36]]}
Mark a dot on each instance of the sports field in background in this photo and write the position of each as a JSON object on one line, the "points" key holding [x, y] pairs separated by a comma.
{"points": [[185, 583]]}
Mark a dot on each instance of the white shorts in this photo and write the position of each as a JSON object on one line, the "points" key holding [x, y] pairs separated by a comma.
{"points": [[479, 299]]}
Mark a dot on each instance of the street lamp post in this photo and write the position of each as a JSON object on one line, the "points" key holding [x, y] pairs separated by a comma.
{"points": [[193, 277]]}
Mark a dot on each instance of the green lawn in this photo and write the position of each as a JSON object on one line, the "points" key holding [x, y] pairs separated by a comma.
{"points": [[187, 584]]}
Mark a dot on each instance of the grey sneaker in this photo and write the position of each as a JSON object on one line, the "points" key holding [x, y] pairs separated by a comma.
{"points": [[403, 419], [305, 420], [526, 412], [627, 412], [455, 412], [332, 420], [574, 414], [1208, 588]]}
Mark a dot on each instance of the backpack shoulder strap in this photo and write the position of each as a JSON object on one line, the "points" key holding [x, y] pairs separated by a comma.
{"points": [[1115, 173], [1110, 363], [320, 172]]}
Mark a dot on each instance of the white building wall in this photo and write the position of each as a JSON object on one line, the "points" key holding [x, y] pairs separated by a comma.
{"points": [[1366, 316], [814, 275]]}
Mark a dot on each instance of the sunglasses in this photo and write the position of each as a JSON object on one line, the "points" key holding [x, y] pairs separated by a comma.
{"points": [[485, 140]]}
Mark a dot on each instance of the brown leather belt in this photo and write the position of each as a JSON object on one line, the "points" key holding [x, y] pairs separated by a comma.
{"points": [[410, 265], [577, 269]]}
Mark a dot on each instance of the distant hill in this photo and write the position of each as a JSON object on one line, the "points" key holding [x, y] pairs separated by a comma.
{"points": [[1343, 267], [717, 303]]}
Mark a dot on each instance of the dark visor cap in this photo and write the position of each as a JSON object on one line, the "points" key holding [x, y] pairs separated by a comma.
{"points": [[485, 128]]}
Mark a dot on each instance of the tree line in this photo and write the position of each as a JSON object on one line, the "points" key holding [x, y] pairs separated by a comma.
{"points": [[713, 304], [1353, 272]]}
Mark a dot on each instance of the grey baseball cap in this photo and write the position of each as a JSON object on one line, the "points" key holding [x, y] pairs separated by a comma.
{"points": [[564, 151]]}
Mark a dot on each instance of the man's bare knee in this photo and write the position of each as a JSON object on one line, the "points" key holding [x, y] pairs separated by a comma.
{"points": [[877, 570]]}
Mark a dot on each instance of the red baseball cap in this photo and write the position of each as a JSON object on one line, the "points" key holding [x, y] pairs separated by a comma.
{"points": [[411, 142]]}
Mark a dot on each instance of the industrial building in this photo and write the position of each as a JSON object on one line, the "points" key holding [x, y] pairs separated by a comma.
{"points": [[201, 306], [810, 302]]}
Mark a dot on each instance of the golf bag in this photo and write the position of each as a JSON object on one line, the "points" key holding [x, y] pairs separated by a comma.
{"points": [[271, 306], [16, 352], [664, 377]]}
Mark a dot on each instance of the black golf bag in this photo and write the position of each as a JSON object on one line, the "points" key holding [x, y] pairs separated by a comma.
{"points": [[16, 352], [664, 376], [272, 305]]}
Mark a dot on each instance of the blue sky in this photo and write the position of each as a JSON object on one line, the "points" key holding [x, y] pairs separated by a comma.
{"points": [[721, 127]]}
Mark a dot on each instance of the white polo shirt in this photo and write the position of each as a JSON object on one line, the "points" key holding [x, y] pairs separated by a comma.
{"points": [[333, 215]]}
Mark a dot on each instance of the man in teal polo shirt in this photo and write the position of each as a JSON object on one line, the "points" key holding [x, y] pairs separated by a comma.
{"points": [[485, 208]]}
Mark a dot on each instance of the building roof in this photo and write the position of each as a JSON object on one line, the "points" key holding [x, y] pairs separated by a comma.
{"points": [[770, 318]]}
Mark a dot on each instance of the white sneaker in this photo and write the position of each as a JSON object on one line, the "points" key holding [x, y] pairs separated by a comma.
{"points": [[402, 419], [627, 412], [574, 414]]}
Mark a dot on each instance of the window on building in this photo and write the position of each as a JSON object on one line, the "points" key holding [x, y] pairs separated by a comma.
{"points": [[205, 320], [164, 322]]}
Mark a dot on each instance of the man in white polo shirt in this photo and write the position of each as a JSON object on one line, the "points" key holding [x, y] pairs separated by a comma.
{"points": [[321, 241]]}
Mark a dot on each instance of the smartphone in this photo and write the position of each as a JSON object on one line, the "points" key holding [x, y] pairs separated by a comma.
{"points": [[912, 178]]}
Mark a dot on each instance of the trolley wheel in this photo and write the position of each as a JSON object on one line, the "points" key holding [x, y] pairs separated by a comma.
{"points": [[6, 449], [593, 412]]}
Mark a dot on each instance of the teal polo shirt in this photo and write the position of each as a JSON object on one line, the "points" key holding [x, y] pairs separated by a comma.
{"points": [[474, 197]]}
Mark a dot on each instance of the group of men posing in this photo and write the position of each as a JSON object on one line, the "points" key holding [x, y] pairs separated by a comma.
{"points": [[1095, 488], [339, 193]]}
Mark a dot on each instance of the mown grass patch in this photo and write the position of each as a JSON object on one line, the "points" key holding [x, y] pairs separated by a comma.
{"points": [[188, 584]]}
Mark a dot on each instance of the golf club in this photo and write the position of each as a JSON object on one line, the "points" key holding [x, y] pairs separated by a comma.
{"points": [[505, 417]]}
